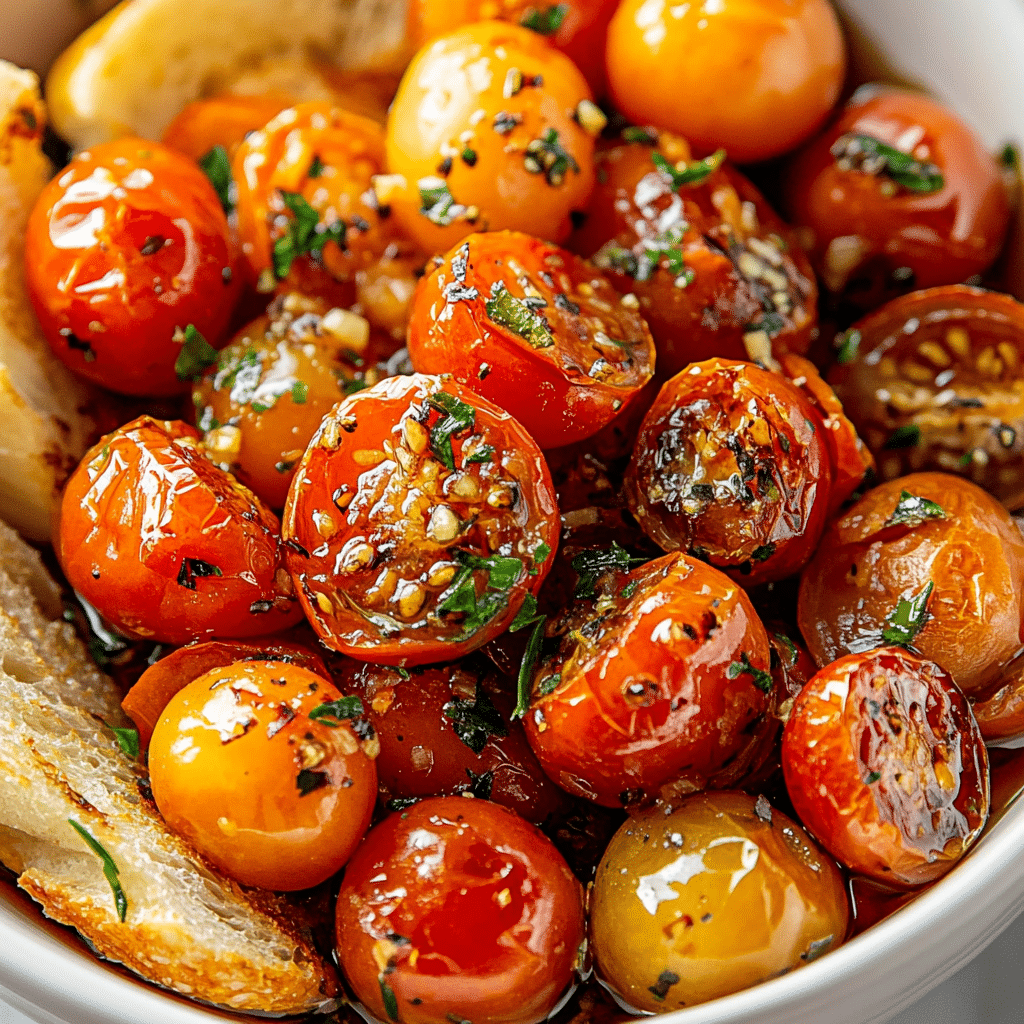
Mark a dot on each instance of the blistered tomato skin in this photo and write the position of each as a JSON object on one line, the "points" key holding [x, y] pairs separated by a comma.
{"points": [[934, 380], [417, 522], [130, 232], [715, 270], [699, 899], [663, 680], [487, 132], [168, 547], [885, 763], [928, 560], [939, 221], [272, 794], [755, 76], [458, 903], [534, 329], [731, 465]]}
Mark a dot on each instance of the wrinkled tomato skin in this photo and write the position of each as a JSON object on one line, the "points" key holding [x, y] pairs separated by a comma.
{"points": [[860, 225], [732, 465], [741, 287], [130, 232], [199, 558], [493, 927], [1000, 714], [970, 553], [221, 121], [374, 540], [885, 763], [274, 797], [666, 685], [747, 896], [594, 354], [934, 380]]}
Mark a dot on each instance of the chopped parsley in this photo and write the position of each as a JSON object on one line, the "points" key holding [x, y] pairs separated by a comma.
{"points": [[309, 779], [590, 565], [316, 168], [110, 870], [869, 154], [540, 556], [193, 569], [762, 680], [437, 203], [847, 345], [127, 739], [907, 436], [217, 167], [387, 993], [908, 618], [643, 136], [480, 785], [456, 416], [912, 510], [335, 712], [518, 316], [195, 356], [482, 454], [695, 173], [300, 392], [549, 157], [527, 614], [527, 667], [546, 21], [502, 574], [475, 721], [301, 236]]}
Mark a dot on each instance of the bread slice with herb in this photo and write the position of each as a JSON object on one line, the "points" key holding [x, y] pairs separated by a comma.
{"points": [[87, 843]]}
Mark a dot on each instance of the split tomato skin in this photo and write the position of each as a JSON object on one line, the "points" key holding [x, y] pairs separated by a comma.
{"points": [[534, 329], [129, 232], [418, 520], [885, 763], [199, 556], [458, 903]]}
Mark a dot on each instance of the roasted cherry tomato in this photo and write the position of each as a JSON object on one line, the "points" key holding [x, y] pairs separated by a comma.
{"points": [[458, 903], [898, 185], [126, 249], [663, 679], [491, 128], [755, 76], [1000, 714], [222, 121], [168, 547], [935, 381], [145, 701], [884, 762], [928, 561], [534, 329], [263, 399], [732, 466], [257, 764], [418, 520], [700, 899], [304, 193], [715, 270]]}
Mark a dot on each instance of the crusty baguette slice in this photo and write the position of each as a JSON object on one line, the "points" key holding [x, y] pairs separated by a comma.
{"points": [[186, 927]]}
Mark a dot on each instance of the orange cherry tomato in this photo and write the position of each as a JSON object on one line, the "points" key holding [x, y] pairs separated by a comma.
{"points": [[168, 547], [258, 766], [732, 466], [715, 270], [664, 680], [458, 903], [126, 248], [417, 522], [755, 76], [491, 128], [1000, 714], [884, 762], [221, 121], [929, 561], [898, 185], [534, 329]]}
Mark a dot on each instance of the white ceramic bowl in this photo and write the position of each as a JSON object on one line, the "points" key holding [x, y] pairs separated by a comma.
{"points": [[966, 54]]}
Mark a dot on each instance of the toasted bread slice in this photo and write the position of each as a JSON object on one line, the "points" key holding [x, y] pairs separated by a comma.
{"points": [[185, 927]]}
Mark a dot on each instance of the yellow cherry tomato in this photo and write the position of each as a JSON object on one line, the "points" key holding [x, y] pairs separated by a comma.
{"points": [[272, 790], [491, 128], [753, 76]]}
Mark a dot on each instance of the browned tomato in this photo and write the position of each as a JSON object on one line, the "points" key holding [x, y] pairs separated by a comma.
{"points": [[534, 329], [716, 272], [662, 679], [898, 185], [929, 562], [699, 899], [418, 520], [934, 380], [884, 762], [732, 466], [168, 547], [1000, 714]]}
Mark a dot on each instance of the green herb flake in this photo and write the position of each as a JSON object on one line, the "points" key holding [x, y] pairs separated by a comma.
{"points": [[540, 556], [193, 569], [502, 573], [301, 236], [526, 669], [912, 510], [482, 454], [480, 785], [316, 168], [1009, 157], [475, 721], [127, 739], [545, 21], [590, 565], [456, 417], [762, 680], [907, 436], [695, 173], [300, 392], [195, 356], [515, 315], [847, 345], [791, 649], [866, 153], [437, 203], [643, 136], [549, 684], [110, 870], [217, 167], [762, 553], [873, 777], [908, 618], [309, 780], [665, 981], [629, 590], [335, 712], [527, 614], [387, 993], [549, 157]]}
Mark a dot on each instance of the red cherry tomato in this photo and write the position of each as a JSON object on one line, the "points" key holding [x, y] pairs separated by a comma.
{"points": [[1000, 714], [168, 547], [257, 767], [754, 76], [884, 762], [534, 329], [418, 520], [898, 184], [715, 270], [221, 121], [664, 680], [458, 903], [732, 466], [126, 248]]}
